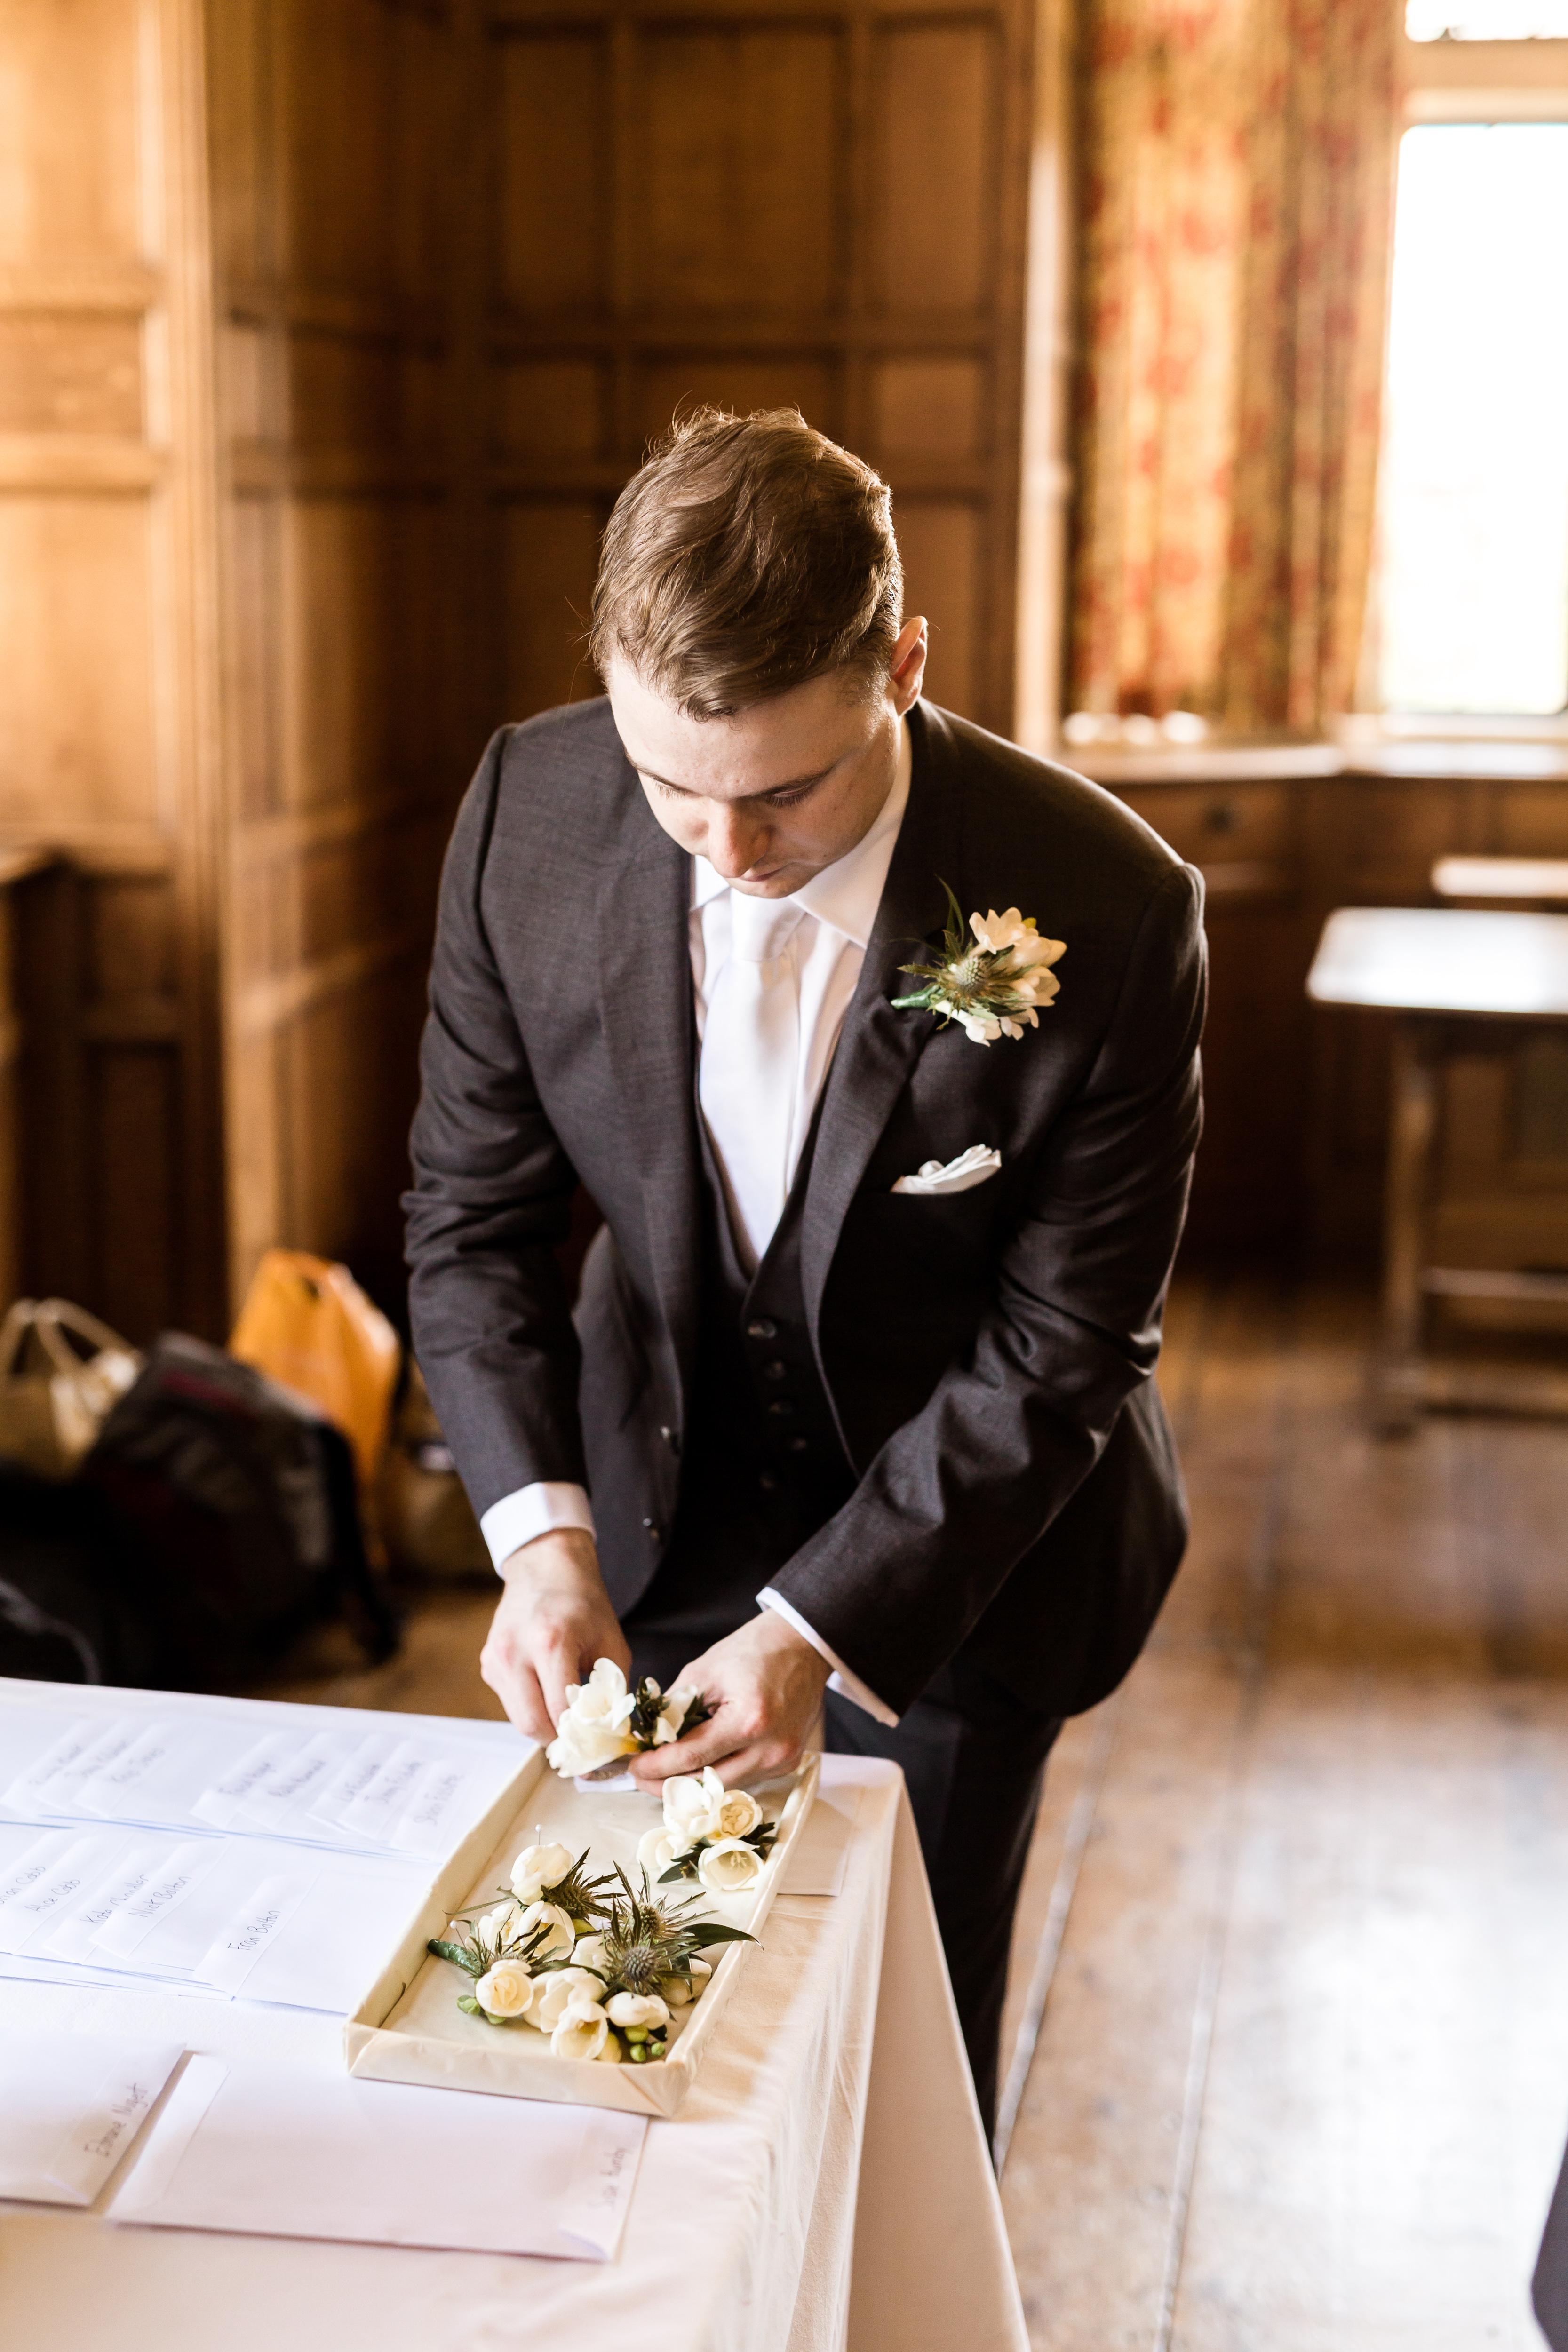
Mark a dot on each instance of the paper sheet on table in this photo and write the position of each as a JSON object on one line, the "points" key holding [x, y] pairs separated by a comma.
{"points": [[71, 2105], [816, 1866], [294, 2151]]}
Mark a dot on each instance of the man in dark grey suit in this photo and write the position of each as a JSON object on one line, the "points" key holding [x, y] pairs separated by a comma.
{"points": [[860, 1379]]}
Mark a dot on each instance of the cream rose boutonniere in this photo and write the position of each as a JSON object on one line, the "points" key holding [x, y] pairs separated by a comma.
{"points": [[992, 984]]}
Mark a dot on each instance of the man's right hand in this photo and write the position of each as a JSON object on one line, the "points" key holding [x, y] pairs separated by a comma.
{"points": [[554, 1619]]}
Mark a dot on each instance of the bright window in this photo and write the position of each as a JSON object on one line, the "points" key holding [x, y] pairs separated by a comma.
{"points": [[1486, 20], [1474, 576]]}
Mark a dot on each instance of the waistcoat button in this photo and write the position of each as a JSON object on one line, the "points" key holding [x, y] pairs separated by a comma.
{"points": [[762, 1329], [776, 1372], [781, 1405]]}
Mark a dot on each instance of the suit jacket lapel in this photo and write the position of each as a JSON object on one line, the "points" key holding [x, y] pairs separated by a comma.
{"points": [[644, 980], [879, 1047]]}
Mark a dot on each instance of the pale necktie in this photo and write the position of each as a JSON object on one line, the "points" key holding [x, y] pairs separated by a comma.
{"points": [[751, 1055]]}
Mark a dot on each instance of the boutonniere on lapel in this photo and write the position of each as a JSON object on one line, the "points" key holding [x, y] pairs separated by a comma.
{"points": [[990, 985]]}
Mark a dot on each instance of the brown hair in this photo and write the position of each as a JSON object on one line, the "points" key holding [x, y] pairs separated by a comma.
{"points": [[748, 555]]}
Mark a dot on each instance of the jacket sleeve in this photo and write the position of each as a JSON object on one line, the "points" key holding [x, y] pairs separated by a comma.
{"points": [[492, 1199], [959, 1494]]}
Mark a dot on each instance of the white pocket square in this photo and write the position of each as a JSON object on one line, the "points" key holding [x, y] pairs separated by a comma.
{"points": [[970, 1167]]}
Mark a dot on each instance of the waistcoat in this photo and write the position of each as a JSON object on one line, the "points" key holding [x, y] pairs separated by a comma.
{"points": [[762, 1465]]}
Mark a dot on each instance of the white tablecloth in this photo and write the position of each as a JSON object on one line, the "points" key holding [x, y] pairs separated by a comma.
{"points": [[826, 2185]]}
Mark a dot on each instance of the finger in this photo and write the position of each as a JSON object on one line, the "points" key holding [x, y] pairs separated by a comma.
{"points": [[731, 1742], [516, 1686]]}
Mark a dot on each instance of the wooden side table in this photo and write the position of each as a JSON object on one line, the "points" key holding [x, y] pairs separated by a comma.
{"points": [[1438, 971]]}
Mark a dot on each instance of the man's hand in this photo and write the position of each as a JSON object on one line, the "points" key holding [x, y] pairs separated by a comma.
{"points": [[554, 1619], [764, 1684]]}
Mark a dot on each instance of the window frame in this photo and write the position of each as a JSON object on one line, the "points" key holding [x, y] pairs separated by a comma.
{"points": [[1469, 82]]}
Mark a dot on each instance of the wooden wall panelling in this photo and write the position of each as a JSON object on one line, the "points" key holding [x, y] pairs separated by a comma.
{"points": [[349, 727], [820, 205], [108, 740]]}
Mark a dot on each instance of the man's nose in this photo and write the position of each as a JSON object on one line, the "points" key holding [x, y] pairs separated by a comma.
{"points": [[736, 842]]}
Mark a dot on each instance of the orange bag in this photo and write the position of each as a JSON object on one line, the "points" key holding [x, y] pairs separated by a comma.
{"points": [[309, 1325]]}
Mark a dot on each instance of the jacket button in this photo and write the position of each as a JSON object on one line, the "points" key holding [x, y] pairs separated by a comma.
{"points": [[762, 1329], [776, 1372], [669, 1437], [655, 1532], [768, 1483], [798, 1445]]}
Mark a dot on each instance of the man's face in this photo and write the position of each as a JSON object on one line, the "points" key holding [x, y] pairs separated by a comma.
{"points": [[775, 793]]}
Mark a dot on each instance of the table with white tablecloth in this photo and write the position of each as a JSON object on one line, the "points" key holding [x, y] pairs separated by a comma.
{"points": [[825, 2184]]}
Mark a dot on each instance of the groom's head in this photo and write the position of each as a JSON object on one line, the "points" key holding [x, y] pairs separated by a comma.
{"points": [[748, 622]]}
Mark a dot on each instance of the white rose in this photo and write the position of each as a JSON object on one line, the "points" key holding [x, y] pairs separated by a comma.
{"points": [[728, 1867], [700, 1972], [588, 1952], [675, 1991], [656, 1849], [637, 2009], [739, 1814], [582, 2033], [610, 2055], [692, 1805], [505, 1990], [538, 1867], [562, 1937], [554, 1993]]}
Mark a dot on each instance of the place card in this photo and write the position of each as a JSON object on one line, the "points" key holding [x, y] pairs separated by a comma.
{"points": [[30, 1912], [220, 1803], [173, 1881], [300, 2151], [231, 1959], [71, 2105], [74, 1935]]}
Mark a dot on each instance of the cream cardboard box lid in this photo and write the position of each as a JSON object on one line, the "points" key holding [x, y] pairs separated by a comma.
{"points": [[409, 2029]]}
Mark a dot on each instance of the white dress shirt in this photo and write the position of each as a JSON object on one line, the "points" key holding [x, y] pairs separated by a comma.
{"points": [[800, 994]]}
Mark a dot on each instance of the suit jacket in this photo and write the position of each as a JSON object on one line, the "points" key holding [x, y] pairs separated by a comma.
{"points": [[989, 1355]]}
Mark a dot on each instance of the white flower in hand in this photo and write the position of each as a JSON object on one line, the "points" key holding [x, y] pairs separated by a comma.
{"points": [[582, 2033], [593, 1729], [692, 1805], [637, 2010], [505, 1990], [672, 1714], [656, 1849], [729, 1866], [554, 1993], [539, 1867], [588, 1952], [739, 1814], [562, 1937]]}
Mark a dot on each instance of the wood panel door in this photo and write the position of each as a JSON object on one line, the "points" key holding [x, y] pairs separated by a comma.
{"points": [[108, 710], [333, 145], [820, 205]]}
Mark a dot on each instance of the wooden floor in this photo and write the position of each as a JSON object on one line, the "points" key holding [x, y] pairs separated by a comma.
{"points": [[1298, 1907]]}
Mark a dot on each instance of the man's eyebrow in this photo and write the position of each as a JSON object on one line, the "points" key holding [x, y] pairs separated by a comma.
{"points": [[794, 783]]}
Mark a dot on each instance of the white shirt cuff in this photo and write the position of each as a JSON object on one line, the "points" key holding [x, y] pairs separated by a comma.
{"points": [[535, 1510], [846, 1684]]}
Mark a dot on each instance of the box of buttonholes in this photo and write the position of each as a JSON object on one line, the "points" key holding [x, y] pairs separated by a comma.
{"points": [[410, 2028]]}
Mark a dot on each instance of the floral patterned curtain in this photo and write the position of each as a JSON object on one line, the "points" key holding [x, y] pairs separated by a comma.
{"points": [[1236, 224]]}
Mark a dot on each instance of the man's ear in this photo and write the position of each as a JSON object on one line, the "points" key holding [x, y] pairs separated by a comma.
{"points": [[907, 670]]}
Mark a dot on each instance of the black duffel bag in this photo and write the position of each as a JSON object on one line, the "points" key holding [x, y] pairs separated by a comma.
{"points": [[216, 1521]]}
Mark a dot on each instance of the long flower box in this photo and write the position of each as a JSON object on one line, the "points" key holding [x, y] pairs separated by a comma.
{"points": [[409, 2029]]}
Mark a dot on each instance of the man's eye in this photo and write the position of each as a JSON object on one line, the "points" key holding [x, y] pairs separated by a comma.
{"points": [[788, 800]]}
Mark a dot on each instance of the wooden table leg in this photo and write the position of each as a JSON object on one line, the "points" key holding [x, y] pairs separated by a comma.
{"points": [[1397, 1378]]}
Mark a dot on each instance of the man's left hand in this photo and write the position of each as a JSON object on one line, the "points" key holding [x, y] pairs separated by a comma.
{"points": [[764, 1684]]}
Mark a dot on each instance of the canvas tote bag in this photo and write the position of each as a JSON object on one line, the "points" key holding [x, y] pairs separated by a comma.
{"points": [[61, 1372]]}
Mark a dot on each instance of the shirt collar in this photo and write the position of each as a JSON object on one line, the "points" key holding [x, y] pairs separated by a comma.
{"points": [[846, 894]]}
